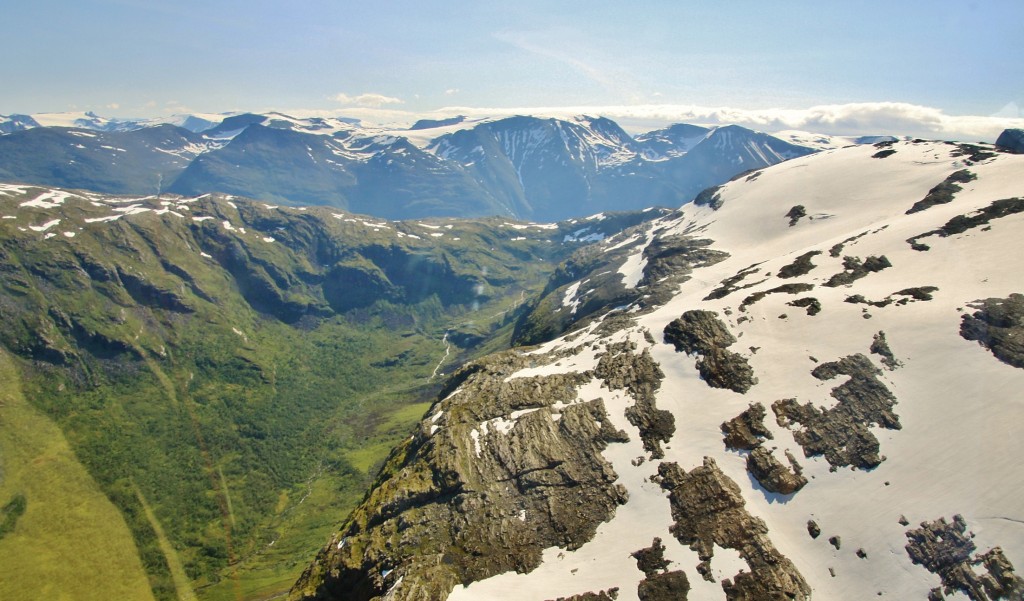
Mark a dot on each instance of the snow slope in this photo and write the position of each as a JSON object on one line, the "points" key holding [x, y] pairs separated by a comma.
{"points": [[960, 408]]}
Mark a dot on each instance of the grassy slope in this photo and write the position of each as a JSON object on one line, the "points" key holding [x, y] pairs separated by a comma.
{"points": [[232, 443], [71, 542]]}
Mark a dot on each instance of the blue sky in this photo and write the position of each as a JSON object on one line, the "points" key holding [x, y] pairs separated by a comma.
{"points": [[386, 60]]}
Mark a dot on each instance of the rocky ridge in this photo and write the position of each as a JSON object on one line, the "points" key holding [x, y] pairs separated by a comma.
{"points": [[876, 395]]}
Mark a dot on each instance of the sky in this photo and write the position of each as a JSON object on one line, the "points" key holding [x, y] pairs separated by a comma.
{"points": [[904, 67]]}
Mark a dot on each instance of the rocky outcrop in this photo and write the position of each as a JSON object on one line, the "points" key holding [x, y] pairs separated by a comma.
{"points": [[1011, 140], [943, 193], [504, 468], [796, 288], [946, 549], [708, 510], [800, 266], [772, 475], [701, 333], [621, 368], [809, 304], [608, 595], [855, 269], [962, 223], [841, 433], [659, 584], [880, 347], [998, 325], [746, 431], [795, 213]]}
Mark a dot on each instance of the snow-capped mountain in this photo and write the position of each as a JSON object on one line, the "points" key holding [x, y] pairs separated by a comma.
{"points": [[526, 167], [806, 385]]}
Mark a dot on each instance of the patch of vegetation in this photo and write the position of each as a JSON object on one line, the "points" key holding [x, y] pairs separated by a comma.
{"points": [[10, 513]]}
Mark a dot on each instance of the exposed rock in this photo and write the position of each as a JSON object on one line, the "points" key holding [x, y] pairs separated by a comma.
{"points": [[880, 346], [973, 152], [702, 333], [1011, 140], [608, 595], [862, 553], [998, 325], [813, 529], [783, 289], [651, 560], [903, 521], [795, 213], [945, 549], [800, 266], [841, 432], [771, 474], [836, 542], [709, 197], [479, 494], [620, 369], [881, 154], [943, 192], [747, 430], [962, 223], [728, 285], [811, 304], [708, 510], [854, 269], [918, 293], [670, 586]]}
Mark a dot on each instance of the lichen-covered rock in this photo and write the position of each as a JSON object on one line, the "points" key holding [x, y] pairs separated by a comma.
{"points": [[708, 510]]}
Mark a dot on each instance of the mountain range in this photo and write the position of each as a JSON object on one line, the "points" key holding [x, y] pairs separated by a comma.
{"points": [[521, 167]]}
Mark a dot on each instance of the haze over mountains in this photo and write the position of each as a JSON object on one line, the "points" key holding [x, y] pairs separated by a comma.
{"points": [[521, 167]]}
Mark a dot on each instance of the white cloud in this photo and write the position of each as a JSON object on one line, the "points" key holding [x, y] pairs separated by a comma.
{"points": [[371, 100], [114, 106], [451, 91]]}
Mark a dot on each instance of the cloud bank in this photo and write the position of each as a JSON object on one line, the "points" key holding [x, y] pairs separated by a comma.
{"points": [[369, 100], [852, 119]]}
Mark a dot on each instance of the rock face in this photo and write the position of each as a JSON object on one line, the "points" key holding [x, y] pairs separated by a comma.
{"points": [[483, 491], [708, 510], [702, 333], [659, 584], [746, 431]]}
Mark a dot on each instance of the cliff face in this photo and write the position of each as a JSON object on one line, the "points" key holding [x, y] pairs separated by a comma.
{"points": [[743, 401]]}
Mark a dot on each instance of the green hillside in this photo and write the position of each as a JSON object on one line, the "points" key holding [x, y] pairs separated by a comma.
{"points": [[229, 374]]}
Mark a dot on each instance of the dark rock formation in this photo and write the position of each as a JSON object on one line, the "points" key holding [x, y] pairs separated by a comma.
{"points": [[998, 325], [608, 595], [836, 542], [800, 266], [945, 549], [943, 192], [746, 431], [771, 474], [659, 584], [880, 347], [841, 433], [795, 213], [962, 223], [810, 304], [729, 284], [702, 333], [708, 510], [620, 369], [1011, 140], [854, 269], [783, 289], [709, 197], [813, 529], [477, 492]]}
